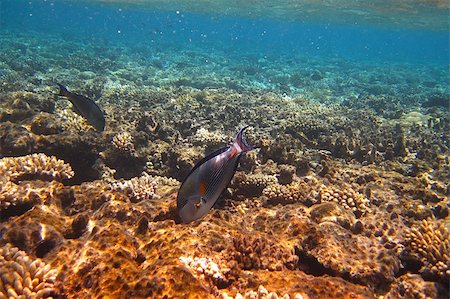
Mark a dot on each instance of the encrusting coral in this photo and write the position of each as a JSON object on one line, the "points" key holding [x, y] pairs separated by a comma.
{"points": [[23, 277], [360, 257], [429, 243]]}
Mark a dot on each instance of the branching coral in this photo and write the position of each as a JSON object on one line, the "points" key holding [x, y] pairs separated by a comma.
{"points": [[139, 188], [262, 293], [22, 277], [72, 121], [291, 193], [252, 184], [123, 141], [210, 138], [36, 165], [346, 197], [430, 244], [203, 266], [260, 253]]}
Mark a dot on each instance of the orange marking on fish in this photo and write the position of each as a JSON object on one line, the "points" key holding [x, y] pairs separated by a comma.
{"points": [[202, 189], [234, 152]]}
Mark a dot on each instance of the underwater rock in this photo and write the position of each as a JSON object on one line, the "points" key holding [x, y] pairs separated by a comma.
{"points": [[332, 212], [15, 140], [45, 124], [286, 174]]}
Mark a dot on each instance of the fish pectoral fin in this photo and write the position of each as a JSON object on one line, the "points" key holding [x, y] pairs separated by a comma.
{"points": [[201, 202]]}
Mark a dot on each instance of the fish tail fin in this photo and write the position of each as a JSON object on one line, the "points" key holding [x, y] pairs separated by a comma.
{"points": [[241, 142], [62, 90]]}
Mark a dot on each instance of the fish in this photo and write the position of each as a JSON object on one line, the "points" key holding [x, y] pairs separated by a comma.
{"points": [[208, 178], [85, 107]]}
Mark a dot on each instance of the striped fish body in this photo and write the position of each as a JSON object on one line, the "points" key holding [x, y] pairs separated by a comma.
{"points": [[207, 180]]}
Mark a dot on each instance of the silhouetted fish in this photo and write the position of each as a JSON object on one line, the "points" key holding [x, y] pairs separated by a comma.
{"points": [[208, 179], [85, 107]]}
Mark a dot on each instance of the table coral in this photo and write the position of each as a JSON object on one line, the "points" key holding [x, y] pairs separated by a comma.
{"points": [[429, 242], [23, 277], [35, 166], [17, 197]]}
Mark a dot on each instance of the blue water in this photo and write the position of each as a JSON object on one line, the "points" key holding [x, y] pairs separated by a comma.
{"points": [[129, 26]]}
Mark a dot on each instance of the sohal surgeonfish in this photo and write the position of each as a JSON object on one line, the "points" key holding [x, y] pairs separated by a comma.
{"points": [[209, 177], [85, 107]]}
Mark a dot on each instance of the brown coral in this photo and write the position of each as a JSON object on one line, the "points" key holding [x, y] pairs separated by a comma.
{"points": [[23, 277], [412, 286], [251, 184], [346, 197], [123, 141], [429, 243], [261, 253], [294, 192]]}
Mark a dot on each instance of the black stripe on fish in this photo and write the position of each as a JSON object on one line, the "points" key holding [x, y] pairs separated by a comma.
{"points": [[217, 177], [205, 159]]}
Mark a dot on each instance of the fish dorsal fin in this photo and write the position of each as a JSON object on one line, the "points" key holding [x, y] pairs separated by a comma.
{"points": [[208, 157]]}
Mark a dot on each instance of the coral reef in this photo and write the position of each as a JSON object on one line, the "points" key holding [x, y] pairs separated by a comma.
{"points": [[345, 195], [24, 277]]}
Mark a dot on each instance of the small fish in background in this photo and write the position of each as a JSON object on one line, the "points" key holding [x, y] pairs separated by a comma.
{"points": [[209, 177], [85, 107]]}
